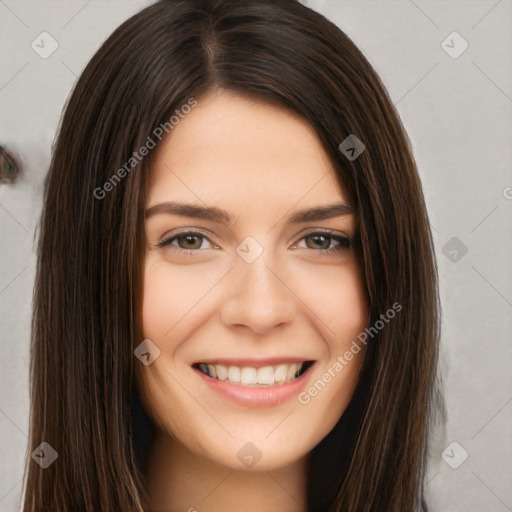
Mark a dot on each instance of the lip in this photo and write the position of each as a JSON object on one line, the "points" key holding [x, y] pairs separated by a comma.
{"points": [[270, 396]]}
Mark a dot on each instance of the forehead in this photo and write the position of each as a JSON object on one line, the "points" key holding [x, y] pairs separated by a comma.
{"points": [[243, 150]]}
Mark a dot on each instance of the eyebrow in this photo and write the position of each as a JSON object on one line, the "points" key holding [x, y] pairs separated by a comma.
{"points": [[215, 214]]}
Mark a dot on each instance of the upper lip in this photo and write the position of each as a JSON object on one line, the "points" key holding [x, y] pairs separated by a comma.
{"points": [[254, 363]]}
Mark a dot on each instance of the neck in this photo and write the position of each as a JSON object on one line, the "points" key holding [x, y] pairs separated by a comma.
{"points": [[179, 480]]}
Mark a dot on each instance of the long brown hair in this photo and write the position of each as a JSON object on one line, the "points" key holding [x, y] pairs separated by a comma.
{"points": [[85, 312]]}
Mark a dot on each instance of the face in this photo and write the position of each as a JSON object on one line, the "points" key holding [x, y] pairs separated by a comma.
{"points": [[247, 301]]}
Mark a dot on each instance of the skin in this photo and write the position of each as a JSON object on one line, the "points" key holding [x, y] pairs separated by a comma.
{"points": [[261, 163]]}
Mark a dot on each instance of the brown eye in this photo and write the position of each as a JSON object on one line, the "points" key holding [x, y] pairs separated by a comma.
{"points": [[322, 242], [189, 241]]}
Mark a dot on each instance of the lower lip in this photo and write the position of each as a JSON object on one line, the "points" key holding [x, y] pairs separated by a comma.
{"points": [[258, 397]]}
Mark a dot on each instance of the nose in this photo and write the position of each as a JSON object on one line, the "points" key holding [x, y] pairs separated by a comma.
{"points": [[258, 297]]}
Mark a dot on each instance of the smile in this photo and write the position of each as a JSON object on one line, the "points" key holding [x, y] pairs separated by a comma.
{"points": [[255, 383], [255, 377]]}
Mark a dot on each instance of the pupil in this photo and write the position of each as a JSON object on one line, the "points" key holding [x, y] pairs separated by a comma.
{"points": [[318, 237], [190, 239]]}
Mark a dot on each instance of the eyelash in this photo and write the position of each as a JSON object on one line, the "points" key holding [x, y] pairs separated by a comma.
{"points": [[344, 242]]}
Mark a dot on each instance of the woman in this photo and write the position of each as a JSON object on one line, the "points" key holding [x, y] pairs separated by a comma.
{"points": [[193, 347]]}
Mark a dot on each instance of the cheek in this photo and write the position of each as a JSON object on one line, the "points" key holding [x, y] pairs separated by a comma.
{"points": [[167, 320], [168, 299], [350, 310], [343, 308], [339, 303], [155, 300], [352, 319]]}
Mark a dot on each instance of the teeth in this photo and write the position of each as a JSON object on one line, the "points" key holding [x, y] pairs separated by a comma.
{"points": [[266, 375], [212, 370], [290, 372], [222, 372], [249, 376], [234, 374], [280, 373]]}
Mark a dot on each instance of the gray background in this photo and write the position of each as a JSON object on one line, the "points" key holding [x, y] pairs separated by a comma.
{"points": [[457, 111]]}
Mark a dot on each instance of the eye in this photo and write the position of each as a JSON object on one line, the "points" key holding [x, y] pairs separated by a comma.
{"points": [[187, 241], [324, 239]]}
